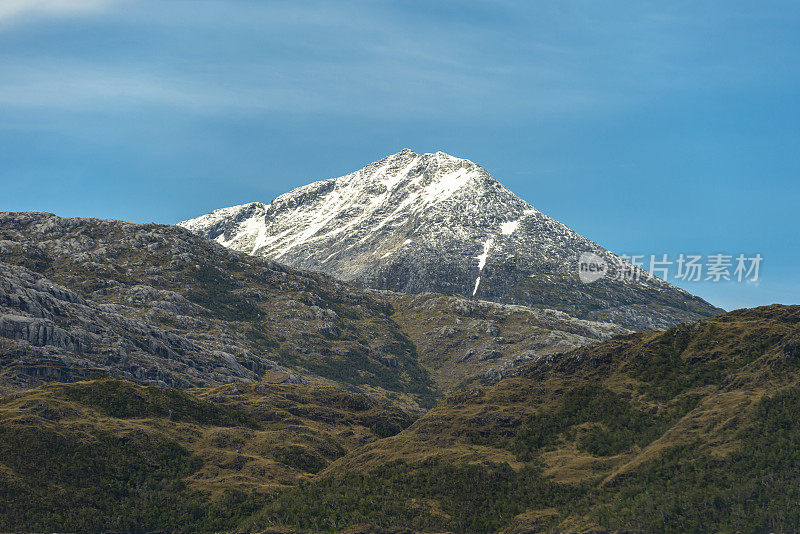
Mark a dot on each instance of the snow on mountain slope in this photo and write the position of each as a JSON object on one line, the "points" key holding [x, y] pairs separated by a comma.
{"points": [[433, 222]]}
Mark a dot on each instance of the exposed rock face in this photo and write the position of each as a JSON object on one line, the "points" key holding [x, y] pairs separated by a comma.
{"points": [[159, 305], [48, 332], [435, 223]]}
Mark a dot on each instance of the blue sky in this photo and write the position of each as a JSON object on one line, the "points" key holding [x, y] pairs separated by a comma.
{"points": [[649, 127]]}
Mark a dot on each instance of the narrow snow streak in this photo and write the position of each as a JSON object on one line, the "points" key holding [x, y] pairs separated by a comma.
{"points": [[477, 283], [487, 246]]}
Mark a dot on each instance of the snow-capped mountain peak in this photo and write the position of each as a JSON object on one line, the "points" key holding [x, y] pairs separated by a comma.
{"points": [[384, 195], [434, 222]]}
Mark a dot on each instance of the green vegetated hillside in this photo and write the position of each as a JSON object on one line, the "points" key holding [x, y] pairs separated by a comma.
{"points": [[110, 455], [694, 429], [691, 429]]}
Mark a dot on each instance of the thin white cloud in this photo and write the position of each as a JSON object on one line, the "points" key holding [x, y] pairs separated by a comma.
{"points": [[12, 9], [362, 59], [402, 90]]}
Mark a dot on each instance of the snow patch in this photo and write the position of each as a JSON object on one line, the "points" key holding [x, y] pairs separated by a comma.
{"points": [[444, 187], [487, 246], [510, 227]]}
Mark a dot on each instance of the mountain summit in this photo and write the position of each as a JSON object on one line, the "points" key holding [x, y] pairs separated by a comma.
{"points": [[433, 222]]}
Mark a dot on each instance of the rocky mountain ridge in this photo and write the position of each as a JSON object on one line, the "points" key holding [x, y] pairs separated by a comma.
{"points": [[419, 223], [158, 305]]}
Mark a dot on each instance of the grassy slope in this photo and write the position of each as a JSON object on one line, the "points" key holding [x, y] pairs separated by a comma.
{"points": [[110, 455], [692, 429]]}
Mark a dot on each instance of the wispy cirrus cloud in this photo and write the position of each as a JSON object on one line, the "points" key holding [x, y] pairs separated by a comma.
{"points": [[366, 59], [12, 9]]}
